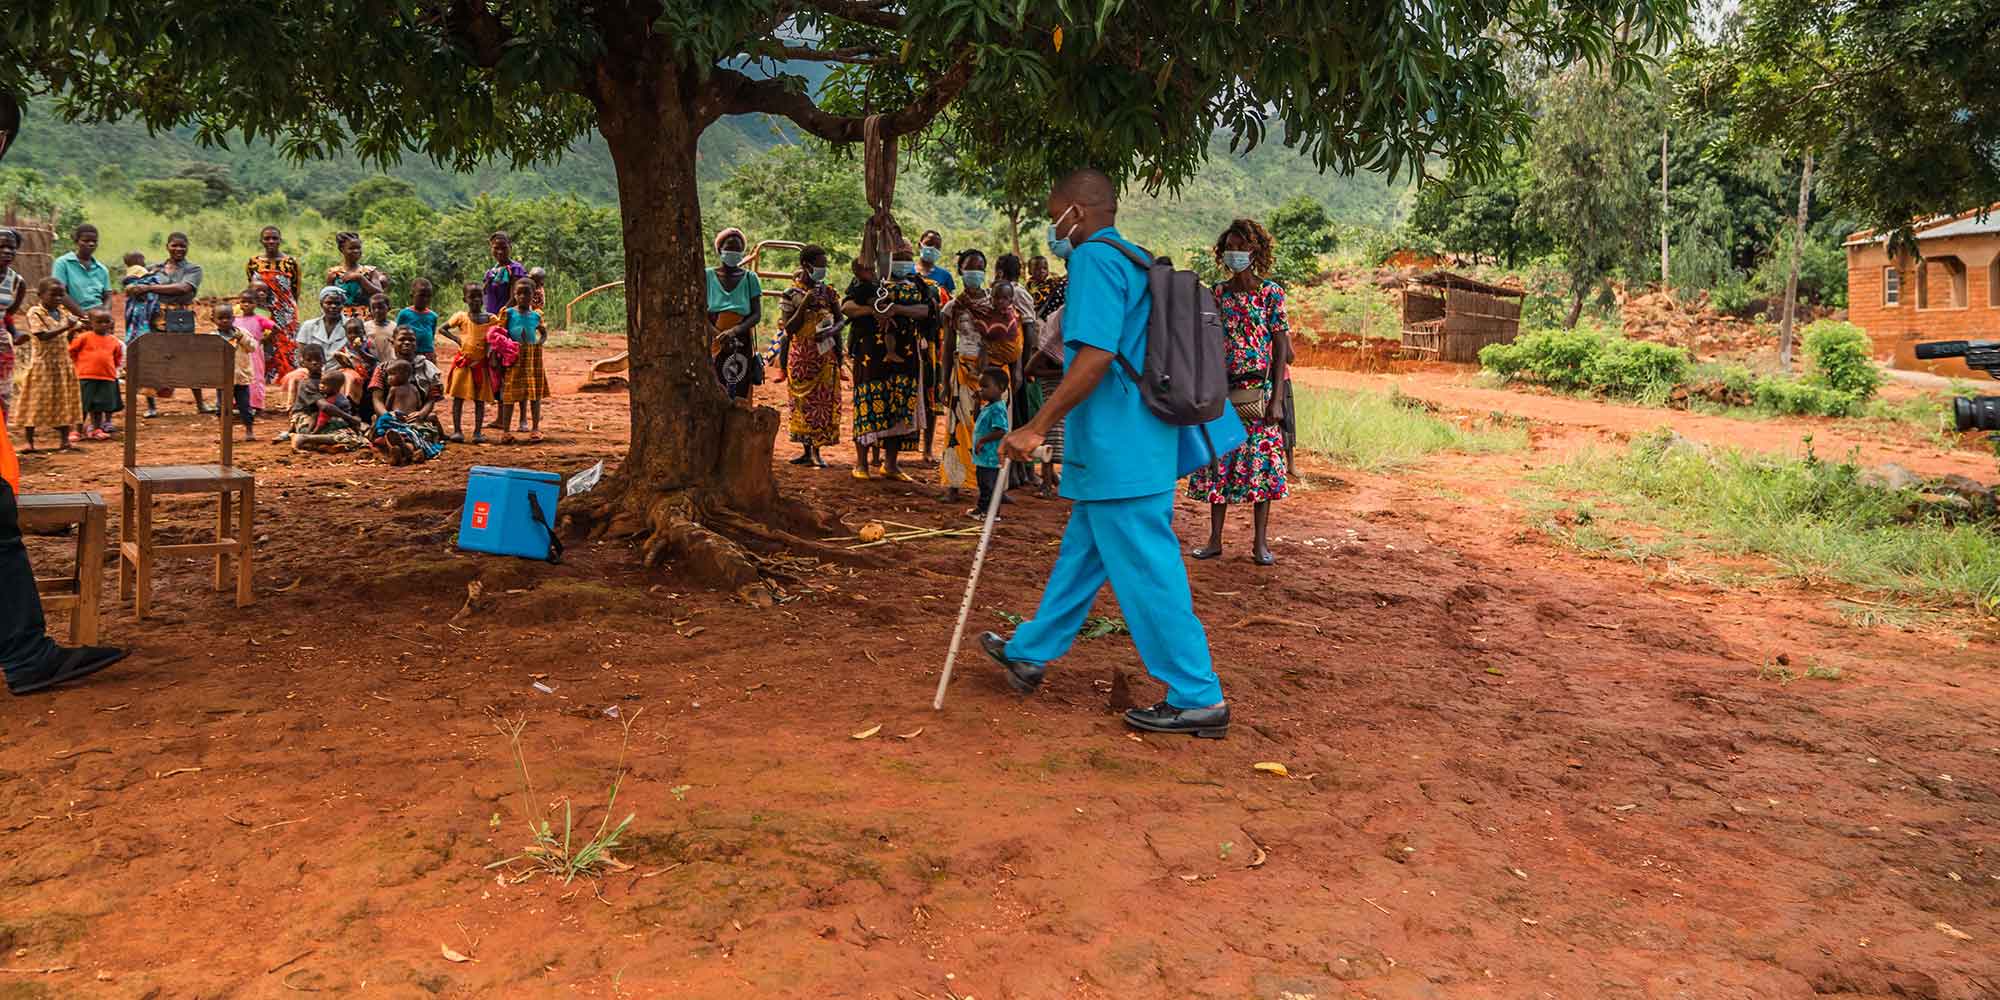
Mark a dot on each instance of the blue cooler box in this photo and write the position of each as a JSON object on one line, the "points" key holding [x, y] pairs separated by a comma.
{"points": [[497, 517]]}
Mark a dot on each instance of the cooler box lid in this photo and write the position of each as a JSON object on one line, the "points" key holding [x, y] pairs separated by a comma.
{"points": [[530, 475]]}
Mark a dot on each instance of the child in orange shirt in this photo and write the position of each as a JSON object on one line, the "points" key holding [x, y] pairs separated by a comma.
{"points": [[97, 355]]}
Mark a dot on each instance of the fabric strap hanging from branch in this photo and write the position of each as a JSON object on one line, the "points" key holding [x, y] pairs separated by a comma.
{"points": [[878, 164]]}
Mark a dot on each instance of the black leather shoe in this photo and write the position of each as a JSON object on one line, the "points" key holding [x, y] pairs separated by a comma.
{"points": [[1207, 723], [1022, 676], [68, 665]]}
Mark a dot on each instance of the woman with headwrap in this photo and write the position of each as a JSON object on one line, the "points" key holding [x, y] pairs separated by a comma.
{"points": [[735, 304]]}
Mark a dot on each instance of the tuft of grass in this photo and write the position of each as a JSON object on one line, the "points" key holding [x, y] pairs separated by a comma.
{"points": [[1376, 432], [1817, 521], [557, 853]]}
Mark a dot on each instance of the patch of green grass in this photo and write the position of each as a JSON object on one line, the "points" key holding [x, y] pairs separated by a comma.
{"points": [[1373, 431], [220, 239], [567, 341], [1362, 309], [1815, 520], [563, 854]]}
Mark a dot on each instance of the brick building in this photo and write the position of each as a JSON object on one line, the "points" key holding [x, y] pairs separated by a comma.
{"points": [[1948, 290]]}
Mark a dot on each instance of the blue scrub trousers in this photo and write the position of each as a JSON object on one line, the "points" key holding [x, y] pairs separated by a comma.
{"points": [[1131, 543]]}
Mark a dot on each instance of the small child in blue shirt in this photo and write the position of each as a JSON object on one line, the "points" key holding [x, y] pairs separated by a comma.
{"points": [[986, 435], [421, 320]]}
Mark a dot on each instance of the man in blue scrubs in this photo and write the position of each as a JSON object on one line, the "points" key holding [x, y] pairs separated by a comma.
{"points": [[1119, 471]]}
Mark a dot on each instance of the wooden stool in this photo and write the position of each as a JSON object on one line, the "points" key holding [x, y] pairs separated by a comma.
{"points": [[78, 591]]}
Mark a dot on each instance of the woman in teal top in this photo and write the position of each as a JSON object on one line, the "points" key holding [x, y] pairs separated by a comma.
{"points": [[735, 300]]}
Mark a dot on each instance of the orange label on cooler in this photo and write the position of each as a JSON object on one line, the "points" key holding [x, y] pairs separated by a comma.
{"points": [[479, 512]]}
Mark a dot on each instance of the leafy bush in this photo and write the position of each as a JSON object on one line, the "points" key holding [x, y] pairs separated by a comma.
{"points": [[1799, 397], [1590, 359], [1842, 358], [36, 196], [173, 198]]}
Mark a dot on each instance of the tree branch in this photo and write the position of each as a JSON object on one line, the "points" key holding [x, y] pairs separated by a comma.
{"points": [[474, 25], [733, 93], [861, 55], [872, 14]]}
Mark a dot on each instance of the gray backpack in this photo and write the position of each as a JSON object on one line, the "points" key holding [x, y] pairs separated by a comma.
{"points": [[1185, 379]]}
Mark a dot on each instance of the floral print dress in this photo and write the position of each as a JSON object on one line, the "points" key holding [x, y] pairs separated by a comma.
{"points": [[1255, 472]]}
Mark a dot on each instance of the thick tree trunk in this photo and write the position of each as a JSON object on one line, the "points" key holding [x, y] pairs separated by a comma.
{"points": [[1792, 272], [1579, 290], [1014, 227], [699, 468]]}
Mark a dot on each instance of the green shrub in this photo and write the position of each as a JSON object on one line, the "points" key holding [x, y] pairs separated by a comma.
{"points": [[174, 198], [1589, 358], [1638, 369], [1800, 397], [1842, 358]]}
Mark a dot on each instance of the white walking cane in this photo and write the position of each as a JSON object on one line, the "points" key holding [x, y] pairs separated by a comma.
{"points": [[978, 560]]}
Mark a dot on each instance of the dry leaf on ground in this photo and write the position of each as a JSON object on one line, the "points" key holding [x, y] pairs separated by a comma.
{"points": [[1273, 767], [865, 733]]}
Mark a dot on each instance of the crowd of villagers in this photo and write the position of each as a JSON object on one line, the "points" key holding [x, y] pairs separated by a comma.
{"points": [[973, 348], [338, 361]]}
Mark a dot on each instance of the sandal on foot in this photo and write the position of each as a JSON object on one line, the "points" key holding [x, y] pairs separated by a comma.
{"points": [[456, 438], [535, 436], [1205, 552], [861, 472]]}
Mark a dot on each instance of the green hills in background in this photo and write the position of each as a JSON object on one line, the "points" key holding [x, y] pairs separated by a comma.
{"points": [[1227, 187]]}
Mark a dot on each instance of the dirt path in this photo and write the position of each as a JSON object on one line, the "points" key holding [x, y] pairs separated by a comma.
{"points": [[1515, 772], [1873, 444]]}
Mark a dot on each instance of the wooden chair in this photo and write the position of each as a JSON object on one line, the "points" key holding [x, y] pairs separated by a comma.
{"points": [[77, 592], [183, 361]]}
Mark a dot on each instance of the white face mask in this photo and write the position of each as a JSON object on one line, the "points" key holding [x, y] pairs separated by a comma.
{"points": [[818, 274], [1236, 260], [730, 258], [902, 268], [974, 279]]}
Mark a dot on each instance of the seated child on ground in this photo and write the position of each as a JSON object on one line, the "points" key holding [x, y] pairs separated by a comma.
{"points": [[304, 385], [356, 362], [394, 433], [335, 427]]}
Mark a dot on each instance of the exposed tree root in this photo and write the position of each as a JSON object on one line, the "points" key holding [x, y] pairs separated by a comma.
{"points": [[714, 534]]}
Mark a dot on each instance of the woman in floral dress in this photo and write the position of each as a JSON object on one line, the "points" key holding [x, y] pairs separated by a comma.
{"points": [[810, 319], [1253, 313], [277, 272]]}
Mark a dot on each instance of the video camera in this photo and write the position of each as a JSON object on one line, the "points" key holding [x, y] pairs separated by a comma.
{"points": [[1972, 413]]}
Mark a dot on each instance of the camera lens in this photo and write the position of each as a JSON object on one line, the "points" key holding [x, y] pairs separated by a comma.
{"points": [[1976, 413]]}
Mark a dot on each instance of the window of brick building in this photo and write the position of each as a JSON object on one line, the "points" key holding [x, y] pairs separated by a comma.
{"points": [[1892, 286]]}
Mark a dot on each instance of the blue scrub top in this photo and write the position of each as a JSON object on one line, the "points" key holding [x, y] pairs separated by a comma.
{"points": [[943, 278], [1114, 447]]}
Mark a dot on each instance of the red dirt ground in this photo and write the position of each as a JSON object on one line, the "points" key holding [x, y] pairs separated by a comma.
{"points": [[1515, 772]]}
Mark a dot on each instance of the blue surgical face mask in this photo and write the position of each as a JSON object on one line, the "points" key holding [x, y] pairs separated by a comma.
{"points": [[902, 268], [731, 258], [973, 279], [818, 274], [1060, 245], [1236, 260], [931, 254]]}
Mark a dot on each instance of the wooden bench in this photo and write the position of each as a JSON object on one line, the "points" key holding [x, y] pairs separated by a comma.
{"points": [[78, 592]]}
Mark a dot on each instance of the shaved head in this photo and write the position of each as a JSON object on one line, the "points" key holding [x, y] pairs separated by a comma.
{"points": [[1087, 187]]}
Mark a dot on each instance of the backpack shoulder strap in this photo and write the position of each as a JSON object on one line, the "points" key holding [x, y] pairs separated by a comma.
{"points": [[1141, 259]]}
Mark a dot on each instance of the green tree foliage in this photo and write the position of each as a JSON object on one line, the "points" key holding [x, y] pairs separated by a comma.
{"points": [[809, 193], [1586, 359], [37, 197], [1899, 100], [216, 184], [171, 199], [1302, 232], [354, 204], [1587, 185], [1480, 217]]}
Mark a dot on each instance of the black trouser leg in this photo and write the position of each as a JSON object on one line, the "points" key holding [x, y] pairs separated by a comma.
{"points": [[243, 410], [988, 480], [24, 639]]}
